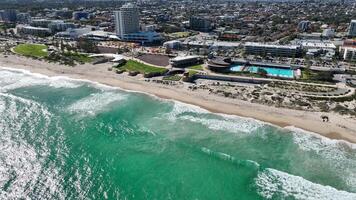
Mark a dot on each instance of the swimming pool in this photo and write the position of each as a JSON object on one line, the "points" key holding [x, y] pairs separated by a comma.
{"points": [[277, 72], [236, 68]]}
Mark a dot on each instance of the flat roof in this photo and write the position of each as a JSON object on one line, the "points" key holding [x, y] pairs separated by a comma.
{"points": [[271, 45], [34, 28], [180, 58]]}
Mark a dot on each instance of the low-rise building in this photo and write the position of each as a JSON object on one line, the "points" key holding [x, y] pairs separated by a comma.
{"points": [[352, 28], [303, 26], [328, 33], [9, 16], [142, 37], [230, 36], [80, 15], [24, 18], [310, 44], [174, 44], [74, 33], [185, 61], [41, 22], [273, 50], [348, 50], [200, 24], [35, 31], [348, 53], [59, 26]]}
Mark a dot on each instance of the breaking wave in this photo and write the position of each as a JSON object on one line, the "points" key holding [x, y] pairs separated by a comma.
{"points": [[11, 79], [95, 103], [274, 184], [218, 122]]}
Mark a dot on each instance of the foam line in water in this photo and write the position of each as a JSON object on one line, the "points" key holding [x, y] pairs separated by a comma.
{"points": [[230, 158], [301, 136], [12, 79], [213, 121], [21, 165], [95, 103], [337, 154], [274, 184]]}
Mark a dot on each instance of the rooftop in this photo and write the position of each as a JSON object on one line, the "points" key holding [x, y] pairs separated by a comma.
{"points": [[180, 58], [271, 45]]}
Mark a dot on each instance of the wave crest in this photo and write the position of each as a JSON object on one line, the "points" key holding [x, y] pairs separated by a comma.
{"points": [[274, 184], [95, 103]]}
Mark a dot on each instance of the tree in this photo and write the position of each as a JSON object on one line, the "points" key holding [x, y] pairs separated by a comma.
{"points": [[88, 46]]}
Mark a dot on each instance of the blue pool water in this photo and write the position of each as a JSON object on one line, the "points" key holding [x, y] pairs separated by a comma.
{"points": [[288, 73], [236, 68]]}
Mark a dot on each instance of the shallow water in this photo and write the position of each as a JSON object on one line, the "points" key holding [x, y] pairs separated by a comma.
{"points": [[69, 139]]}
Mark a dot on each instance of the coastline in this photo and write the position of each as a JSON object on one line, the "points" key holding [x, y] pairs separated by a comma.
{"points": [[339, 127]]}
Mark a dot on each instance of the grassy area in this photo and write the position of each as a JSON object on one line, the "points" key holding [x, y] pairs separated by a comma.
{"points": [[132, 65], [197, 67], [179, 34], [33, 50], [192, 73], [81, 58], [316, 77], [172, 78]]}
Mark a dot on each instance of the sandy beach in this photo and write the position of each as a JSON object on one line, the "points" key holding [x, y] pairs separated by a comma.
{"points": [[340, 127]]}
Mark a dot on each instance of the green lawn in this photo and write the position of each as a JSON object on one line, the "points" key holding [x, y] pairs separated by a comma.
{"points": [[132, 65], [179, 34], [196, 67], [33, 50], [172, 78], [192, 72]]}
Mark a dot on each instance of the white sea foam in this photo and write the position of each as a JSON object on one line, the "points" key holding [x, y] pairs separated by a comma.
{"points": [[339, 154], [225, 124], [227, 157], [95, 103], [303, 138], [183, 108], [274, 184], [12, 79], [218, 122], [21, 165]]}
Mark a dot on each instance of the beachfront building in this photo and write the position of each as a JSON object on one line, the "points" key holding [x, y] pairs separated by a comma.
{"points": [[127, 20], [352, 28], [185, 61], [128, 26], [273, 50]]}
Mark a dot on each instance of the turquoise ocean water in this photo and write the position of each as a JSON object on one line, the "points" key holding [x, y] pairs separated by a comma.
{"points": [[71, 139]]}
